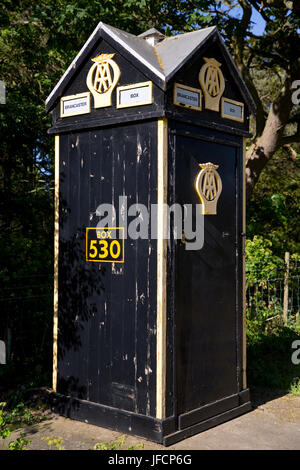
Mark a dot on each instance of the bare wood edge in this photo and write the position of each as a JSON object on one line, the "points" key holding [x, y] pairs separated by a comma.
{"points": [[56, 245], [244, 268], [162, 162]]}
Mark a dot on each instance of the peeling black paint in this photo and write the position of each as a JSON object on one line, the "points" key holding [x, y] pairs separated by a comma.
{"points": [[107, 312]]}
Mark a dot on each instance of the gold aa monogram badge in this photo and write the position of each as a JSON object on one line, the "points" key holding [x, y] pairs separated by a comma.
{"points": [[212, 82], [208, 186], [102, 79]]}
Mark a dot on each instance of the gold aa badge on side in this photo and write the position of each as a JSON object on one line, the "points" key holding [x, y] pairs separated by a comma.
{"points": [[208, 186], [212, 82], [102, 79]]}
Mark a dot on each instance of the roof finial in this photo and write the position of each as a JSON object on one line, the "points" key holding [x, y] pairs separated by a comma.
{"points": [[152, 36]]}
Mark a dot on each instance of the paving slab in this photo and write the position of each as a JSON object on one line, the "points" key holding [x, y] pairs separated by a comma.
{"points": [[273, 424]]}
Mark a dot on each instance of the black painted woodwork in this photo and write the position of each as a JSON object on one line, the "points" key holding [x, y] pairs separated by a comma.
{"points": [[107, 313], [206, 286]]}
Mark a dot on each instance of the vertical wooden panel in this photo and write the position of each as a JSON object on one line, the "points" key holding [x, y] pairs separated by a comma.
{"points": [[82, 215], [56, 244], [63, 303], [122, 280], [151, 254], [206, 282], [105, 304], [145, 290], [96, 323], [162, 162], [171, 270], [107, 312]]}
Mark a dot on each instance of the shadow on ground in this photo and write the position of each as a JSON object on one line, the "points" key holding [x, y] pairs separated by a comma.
{"points": [[261, 395]]}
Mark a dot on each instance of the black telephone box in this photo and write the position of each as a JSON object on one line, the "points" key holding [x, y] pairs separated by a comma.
{"points": [[149, 334]]}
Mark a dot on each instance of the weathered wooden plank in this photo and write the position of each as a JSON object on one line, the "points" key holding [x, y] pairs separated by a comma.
{"points": [[143, 299], [97, 298], [123, 390]]}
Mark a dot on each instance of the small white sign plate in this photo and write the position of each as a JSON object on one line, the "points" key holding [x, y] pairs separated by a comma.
{"points": [[232, 110], [137, 94], [187, 97], [75, 104]]}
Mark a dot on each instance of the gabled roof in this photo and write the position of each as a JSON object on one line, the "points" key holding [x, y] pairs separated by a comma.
{"points": [[175, 51], [160, 62]]}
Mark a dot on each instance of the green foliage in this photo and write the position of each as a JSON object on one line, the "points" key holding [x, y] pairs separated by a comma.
{"points": [[264, 281], [20, 411], [269, 357], [269, 342], [54, 443], [26, 195], [274, 209], [261, 263], [22, 415], [262, 267], [115, 445], [20, 443], [139, 446], [4, 431], [295, 387], [265, 315], [110, 445]]}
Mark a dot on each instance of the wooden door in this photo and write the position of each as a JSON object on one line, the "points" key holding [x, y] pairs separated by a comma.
{"points": [[208, 281]]}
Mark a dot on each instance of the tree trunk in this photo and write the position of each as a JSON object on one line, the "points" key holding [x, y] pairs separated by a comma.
{"points": [[264, 147]]}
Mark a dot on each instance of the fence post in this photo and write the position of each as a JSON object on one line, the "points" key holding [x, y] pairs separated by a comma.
{"points": [[2, 92], [286, 287]]}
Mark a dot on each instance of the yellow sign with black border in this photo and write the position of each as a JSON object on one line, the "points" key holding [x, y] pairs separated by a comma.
{"points": [[105, 244]]}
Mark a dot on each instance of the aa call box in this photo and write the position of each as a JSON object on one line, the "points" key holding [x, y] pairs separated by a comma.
{"points": [[149, 336]]}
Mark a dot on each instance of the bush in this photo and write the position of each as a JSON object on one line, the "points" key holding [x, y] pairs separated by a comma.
{"points": [[269, 354]]}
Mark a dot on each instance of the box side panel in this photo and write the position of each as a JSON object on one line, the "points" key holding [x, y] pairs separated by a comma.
{"points": [[107, 311]]}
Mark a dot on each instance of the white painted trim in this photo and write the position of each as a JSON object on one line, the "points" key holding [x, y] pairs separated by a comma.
{"points": [[117, 39], [134, 53], [73, 63]]}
